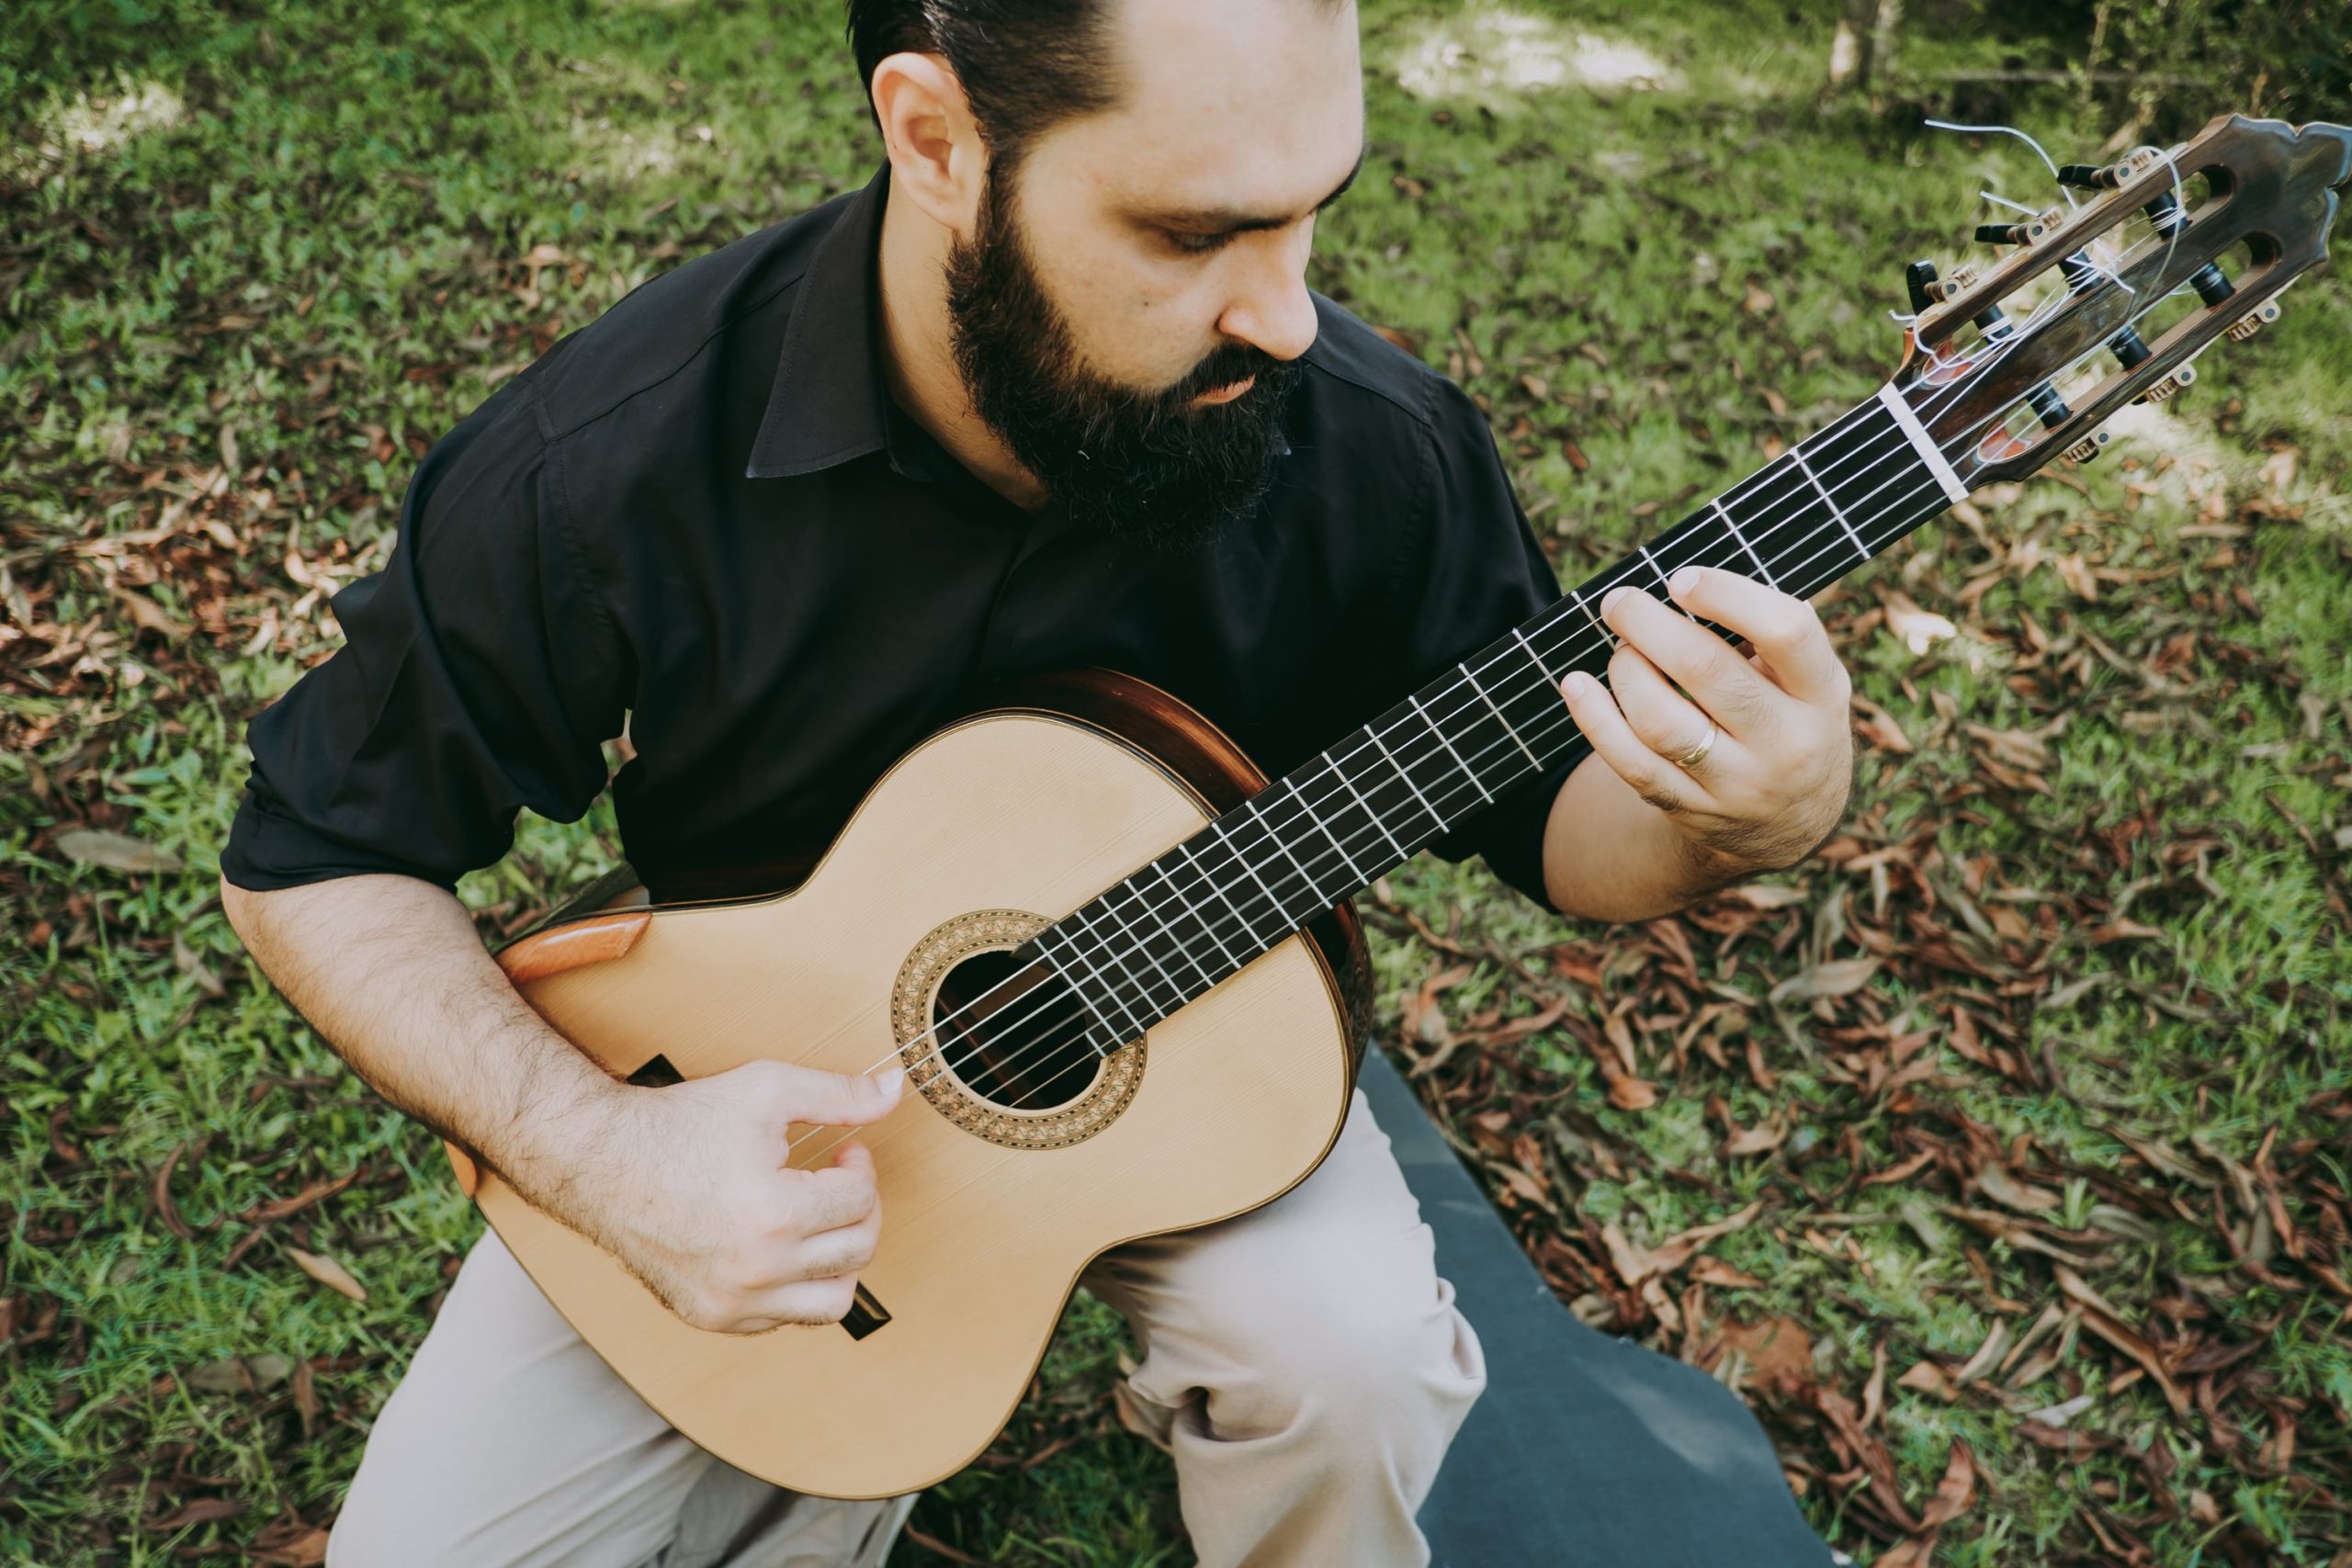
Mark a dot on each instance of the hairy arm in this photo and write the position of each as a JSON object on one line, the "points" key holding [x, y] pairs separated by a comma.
{"points": [[391, 971], [688, 1186]]}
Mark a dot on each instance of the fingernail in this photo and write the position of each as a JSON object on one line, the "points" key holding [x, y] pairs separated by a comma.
{"points": [[1612, 597], [889, 1080], [1578, 684], [1683, 581]]}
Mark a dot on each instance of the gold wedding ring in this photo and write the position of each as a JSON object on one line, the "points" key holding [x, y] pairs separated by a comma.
{"points": [[1698, 754]]}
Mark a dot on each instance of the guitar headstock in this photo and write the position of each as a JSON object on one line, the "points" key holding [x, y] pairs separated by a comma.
{"points": [[2109, 301]]}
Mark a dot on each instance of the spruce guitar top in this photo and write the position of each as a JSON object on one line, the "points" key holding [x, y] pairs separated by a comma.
{"points": [[1117, 964]]}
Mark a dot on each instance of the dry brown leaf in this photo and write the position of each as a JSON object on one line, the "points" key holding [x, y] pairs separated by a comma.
{"points": [[1956, 1493], [328, 1272], [1708, 1270], [203, 1511], [1775, 1348], [116, 852], [1765, 1137], [1919, 629], [1929, 1378], [2002, 1187], [1839, 977], [2104, 1321]]}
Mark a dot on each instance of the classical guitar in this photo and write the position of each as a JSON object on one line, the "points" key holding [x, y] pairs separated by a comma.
{"points": [[1114, 960]]}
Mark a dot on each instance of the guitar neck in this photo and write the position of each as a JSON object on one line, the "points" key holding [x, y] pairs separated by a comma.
{"points": [[1143, 947]]}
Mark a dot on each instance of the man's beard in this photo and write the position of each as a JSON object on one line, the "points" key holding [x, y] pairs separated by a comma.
{"points": [[1147, 468]]}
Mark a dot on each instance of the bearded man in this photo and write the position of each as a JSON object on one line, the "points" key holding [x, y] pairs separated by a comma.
{"points": [[1049, 391]]}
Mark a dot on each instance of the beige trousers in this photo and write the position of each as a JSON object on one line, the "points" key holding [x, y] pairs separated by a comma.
{"points": [[1304, 1363]]}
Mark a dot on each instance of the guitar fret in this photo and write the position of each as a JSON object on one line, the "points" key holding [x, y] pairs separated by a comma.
{"points": [[1268, 828], [1498, 715], [1535, 659], [1435, 814], [1120, 969], [1293, 785], [1080, 991], [1450, 751], [1659, 573], [1220, 892], [1168, 926], [1797, 457], [1217, 825], [1598, 624], [1349, 784], [1149, 956], [1733, 529], [1135, 1020]]}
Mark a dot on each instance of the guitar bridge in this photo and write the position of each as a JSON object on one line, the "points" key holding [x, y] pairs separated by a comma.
{"points": [[865, 1314]]}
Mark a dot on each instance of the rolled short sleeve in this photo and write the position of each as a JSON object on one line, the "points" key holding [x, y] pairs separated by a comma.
{"points": [[1470, 571], [479, 674]]}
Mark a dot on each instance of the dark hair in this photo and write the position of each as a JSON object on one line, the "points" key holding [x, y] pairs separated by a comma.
{"points": [[1025, 64]]}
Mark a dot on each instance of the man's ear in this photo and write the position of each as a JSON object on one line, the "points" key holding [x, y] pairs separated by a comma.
{"points": [[937, 159]]}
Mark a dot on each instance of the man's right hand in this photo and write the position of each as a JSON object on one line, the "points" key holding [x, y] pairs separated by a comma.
{"points": [[686, 1185], [702, 1209]]}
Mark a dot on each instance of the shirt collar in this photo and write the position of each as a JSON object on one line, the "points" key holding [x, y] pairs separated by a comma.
{"points": [[827, 404]]}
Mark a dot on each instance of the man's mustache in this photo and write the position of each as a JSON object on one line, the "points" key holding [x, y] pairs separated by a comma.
{"points": [[1222, 368]]}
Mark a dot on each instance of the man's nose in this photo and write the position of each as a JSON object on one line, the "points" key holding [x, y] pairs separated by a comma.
{"points": [[1273, 311]]}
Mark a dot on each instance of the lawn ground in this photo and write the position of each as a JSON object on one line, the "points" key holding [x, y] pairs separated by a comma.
{"points": [[2027, 1099]]}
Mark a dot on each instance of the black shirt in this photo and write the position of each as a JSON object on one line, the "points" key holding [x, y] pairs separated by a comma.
{"points": [[703, 515]]}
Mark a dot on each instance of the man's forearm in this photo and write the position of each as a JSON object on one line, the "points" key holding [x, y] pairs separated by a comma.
{"points": [[1611, 855], [390, 970]]}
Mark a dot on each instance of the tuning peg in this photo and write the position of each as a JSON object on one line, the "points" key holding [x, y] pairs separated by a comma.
{"points": [[2010, 233], [2254, 321], [2182, 377], [2109, 176], [2089, 446]]}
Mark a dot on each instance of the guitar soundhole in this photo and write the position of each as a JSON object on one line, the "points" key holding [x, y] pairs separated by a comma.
{"points": [[1012, 1032]]}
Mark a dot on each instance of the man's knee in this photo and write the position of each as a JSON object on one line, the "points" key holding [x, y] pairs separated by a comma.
{"points": [[1361, 1370]]}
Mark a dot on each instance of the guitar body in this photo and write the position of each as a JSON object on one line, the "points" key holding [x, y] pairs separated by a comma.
{"points": [[981, 835]]}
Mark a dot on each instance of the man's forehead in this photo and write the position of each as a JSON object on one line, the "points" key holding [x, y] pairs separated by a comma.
{"points": [[1253, 104]]}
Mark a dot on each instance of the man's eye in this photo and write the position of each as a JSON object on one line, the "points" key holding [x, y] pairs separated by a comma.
{"points": [[1196, 244]]}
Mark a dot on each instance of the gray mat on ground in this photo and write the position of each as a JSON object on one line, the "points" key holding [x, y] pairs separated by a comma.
{"points": [[1585, 1449]]}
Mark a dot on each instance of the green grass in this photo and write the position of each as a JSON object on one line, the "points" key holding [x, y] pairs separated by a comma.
{"points": [[307, 244]]}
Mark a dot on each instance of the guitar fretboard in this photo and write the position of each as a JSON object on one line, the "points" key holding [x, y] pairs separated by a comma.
{"points": [[1163, 935]]}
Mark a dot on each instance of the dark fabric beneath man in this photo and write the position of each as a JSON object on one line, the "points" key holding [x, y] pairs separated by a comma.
{"points": [[704, 515]]}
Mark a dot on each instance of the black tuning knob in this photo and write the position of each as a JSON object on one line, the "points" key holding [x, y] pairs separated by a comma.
{"points": [[2008, 234], [2166, 215], [1918, 280], [2091, 177], [2128, 347]]}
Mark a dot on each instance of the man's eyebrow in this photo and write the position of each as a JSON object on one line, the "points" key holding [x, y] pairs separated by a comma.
{"points": [[1233, 220]]}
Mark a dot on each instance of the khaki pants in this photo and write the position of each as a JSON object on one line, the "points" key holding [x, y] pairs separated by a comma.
{"points": [[1304, 1361]]}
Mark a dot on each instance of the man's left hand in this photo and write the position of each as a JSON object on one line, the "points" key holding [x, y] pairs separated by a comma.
{"points": [[1773, 781]]}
